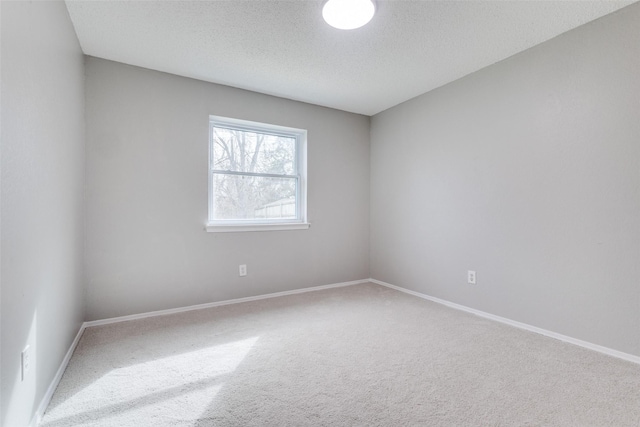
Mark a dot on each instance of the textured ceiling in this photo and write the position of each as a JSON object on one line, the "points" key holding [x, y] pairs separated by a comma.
{"points": [[284, 48]]}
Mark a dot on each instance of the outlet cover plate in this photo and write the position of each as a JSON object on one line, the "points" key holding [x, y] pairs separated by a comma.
{"points": [[471, 277], [25, 362]]}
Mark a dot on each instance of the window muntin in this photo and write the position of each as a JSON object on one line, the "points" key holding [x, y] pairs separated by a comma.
{"points": [[256, 173]]}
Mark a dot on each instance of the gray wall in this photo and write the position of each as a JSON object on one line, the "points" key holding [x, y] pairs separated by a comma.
{"points": [[146, 207], [528, 172], [42, 198]]}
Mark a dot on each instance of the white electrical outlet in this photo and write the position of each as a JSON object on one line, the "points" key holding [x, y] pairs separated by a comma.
{"points": [[25, 361], [242, 270], [471, 277]]}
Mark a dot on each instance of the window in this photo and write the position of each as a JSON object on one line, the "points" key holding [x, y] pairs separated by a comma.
{"points": [[257, 176]]}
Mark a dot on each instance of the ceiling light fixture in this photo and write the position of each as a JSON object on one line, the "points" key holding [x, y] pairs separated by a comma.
{"points": [[348, 14]]}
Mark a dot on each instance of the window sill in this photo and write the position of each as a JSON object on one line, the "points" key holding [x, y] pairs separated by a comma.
{"points": [[217, 228]]}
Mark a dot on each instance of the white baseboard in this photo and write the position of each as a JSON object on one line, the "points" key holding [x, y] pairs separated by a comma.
{"points": [[46, 399], [565, 338], [56, 380], [219, 303]]}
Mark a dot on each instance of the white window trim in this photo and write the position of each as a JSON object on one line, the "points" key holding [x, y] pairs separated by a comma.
{"points": [[257, 227], [300, 136]]}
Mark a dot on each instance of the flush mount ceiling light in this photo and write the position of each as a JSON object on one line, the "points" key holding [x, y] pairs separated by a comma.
{"points": [[348, 14]]}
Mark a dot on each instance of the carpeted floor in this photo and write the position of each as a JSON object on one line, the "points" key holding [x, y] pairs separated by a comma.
{"points": [[362, 355]]}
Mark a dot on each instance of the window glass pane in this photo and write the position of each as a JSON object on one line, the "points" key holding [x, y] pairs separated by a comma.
{"points": [[254, 197], [244, 151]]}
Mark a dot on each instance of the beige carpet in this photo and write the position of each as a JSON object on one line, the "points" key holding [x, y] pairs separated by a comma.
{"points": [[362, 355]]}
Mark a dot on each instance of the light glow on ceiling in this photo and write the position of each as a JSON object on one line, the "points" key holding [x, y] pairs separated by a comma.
{"points": [[348, 14]]}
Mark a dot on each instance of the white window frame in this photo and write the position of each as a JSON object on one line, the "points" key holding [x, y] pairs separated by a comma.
{"points": [[300, 173]]}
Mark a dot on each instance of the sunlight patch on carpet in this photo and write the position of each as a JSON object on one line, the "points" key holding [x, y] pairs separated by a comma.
{"points": [[156, 389]]}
